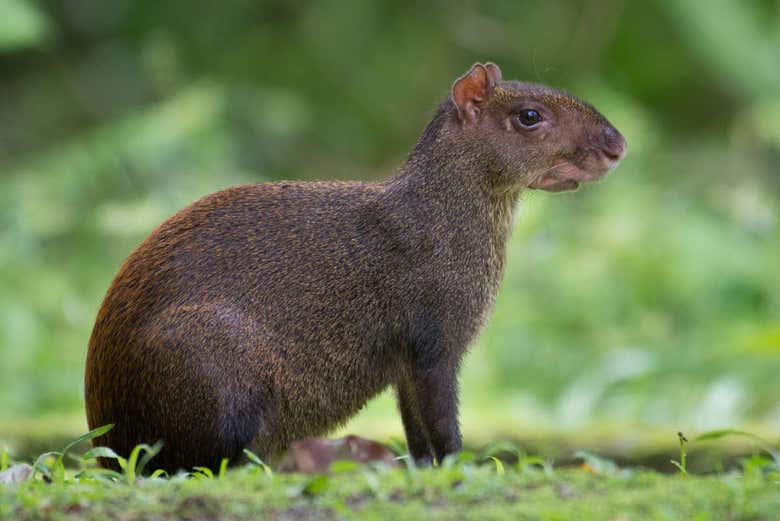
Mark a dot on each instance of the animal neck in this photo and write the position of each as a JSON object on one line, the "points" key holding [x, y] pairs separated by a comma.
{"points": [[446, 182]]}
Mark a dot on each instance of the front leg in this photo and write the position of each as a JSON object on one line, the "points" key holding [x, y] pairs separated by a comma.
{"points": [[416, 432], [437, 392]]}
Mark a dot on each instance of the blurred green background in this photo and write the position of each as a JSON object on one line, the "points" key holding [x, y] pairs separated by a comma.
{"points": [[650, 301]]}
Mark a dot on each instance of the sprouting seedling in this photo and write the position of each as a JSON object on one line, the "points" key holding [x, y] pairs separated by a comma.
{"points": [[254, 458], [499, 465], [131, 467], [223, 465], [57, 471], [681, 464], [203, 473], [494, 450], [207, 473], [134, 465]]}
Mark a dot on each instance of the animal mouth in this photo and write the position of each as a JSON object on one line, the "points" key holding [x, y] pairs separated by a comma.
{"points": [[589, 163], [568, 176], [570, 173]]}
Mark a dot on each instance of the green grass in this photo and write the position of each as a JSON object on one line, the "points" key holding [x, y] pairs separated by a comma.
{"points": [[461, 490], [471, 486]]}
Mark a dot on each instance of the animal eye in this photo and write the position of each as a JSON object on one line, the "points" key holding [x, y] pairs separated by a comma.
{"points": [[528, 118]]}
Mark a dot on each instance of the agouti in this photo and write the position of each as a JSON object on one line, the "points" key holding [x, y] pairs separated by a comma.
{"points": [[267, 313]]}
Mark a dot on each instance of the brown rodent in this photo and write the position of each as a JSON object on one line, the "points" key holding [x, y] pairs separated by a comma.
{"points": [[267, 313]]}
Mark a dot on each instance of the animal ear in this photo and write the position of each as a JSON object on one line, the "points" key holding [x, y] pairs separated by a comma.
{"points": [[470, 91], [494, 72]]}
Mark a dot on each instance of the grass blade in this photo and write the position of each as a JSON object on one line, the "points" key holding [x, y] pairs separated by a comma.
{"points": [[761, 442], [499, 465], [40, 464], [257, 461], [149, 453], [99, 452], [223, 465], [203, 473], [94, 433]]}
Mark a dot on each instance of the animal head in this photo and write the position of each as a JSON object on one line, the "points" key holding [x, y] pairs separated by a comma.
{"points": [[534, 136]]}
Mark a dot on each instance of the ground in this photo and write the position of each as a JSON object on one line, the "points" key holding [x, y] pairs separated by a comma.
{"points": [[464, 489]]}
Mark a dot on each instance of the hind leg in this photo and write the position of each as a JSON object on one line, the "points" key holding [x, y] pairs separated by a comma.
{"points": [[186, 378]]}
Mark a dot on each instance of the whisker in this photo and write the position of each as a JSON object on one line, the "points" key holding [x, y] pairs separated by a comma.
{"points": [[553, 167]]}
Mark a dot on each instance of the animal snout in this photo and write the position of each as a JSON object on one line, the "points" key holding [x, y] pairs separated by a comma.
{"points": [[614, 144]]}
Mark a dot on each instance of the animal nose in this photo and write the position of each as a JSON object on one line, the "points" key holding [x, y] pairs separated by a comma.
{"points": [[614, 144]]}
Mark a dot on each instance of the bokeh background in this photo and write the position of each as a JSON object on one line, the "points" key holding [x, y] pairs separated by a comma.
{"points": [[649, 302]]}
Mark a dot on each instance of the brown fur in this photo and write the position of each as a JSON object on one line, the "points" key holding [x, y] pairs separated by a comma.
{"points": [[268, 313]]}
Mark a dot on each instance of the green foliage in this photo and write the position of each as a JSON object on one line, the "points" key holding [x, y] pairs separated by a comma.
{"points": [[255, 460], [51, 465], [489, 490], [134, 467], [22, 25]]}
